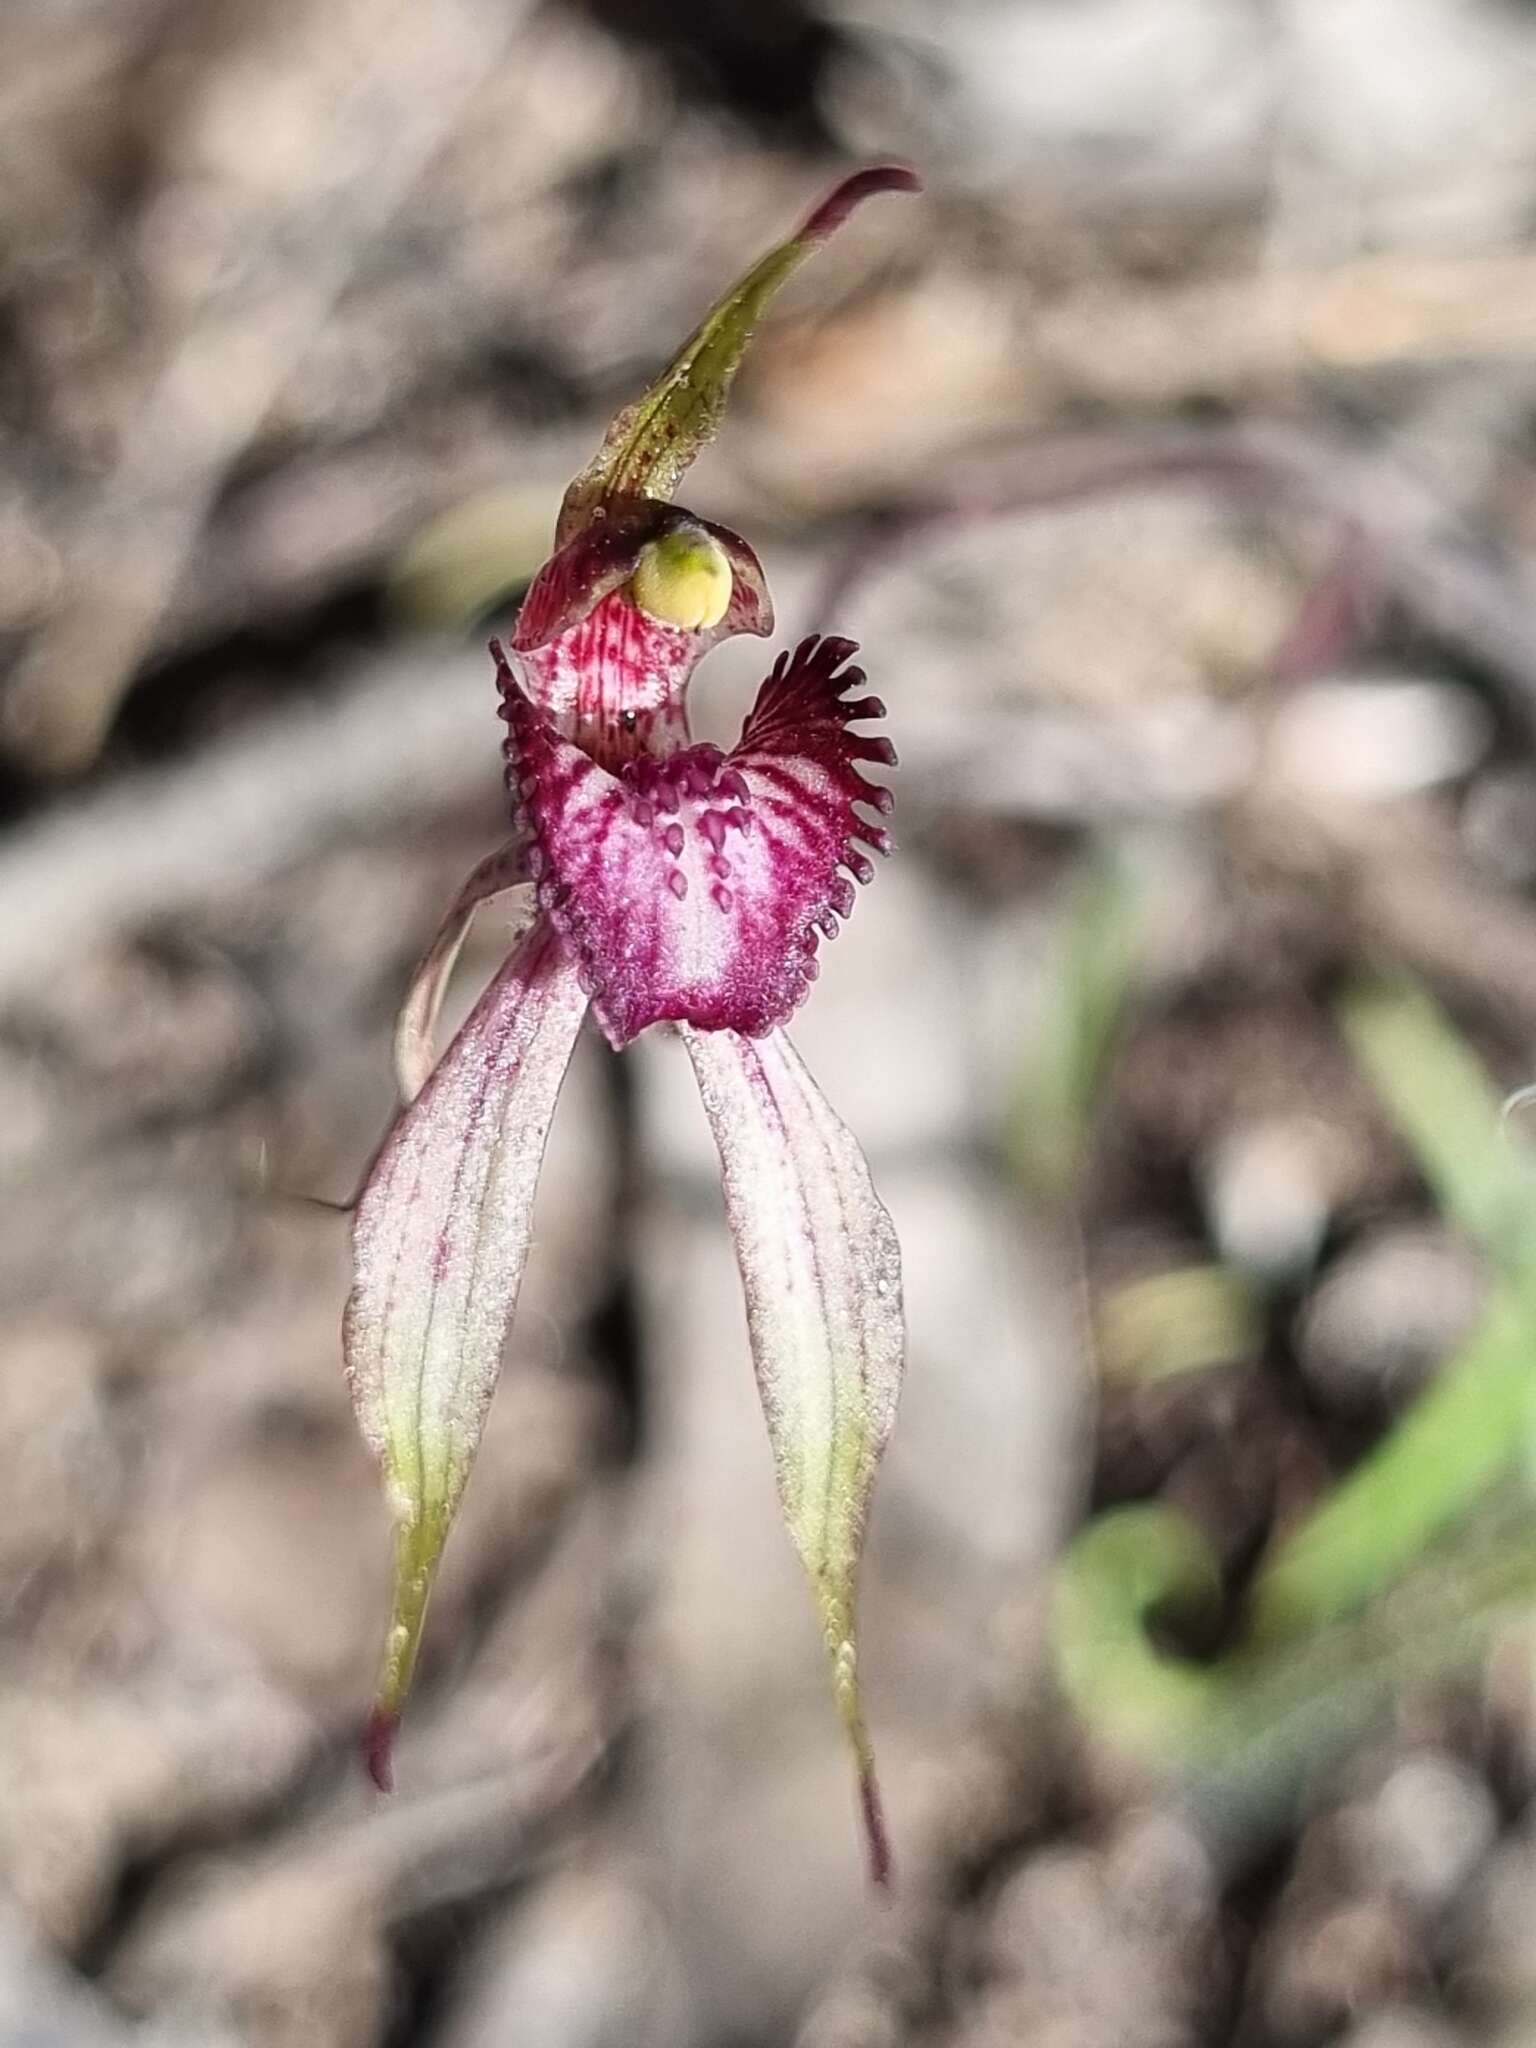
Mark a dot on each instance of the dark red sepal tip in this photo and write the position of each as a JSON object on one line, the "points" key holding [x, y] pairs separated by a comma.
{"points": [[877, 1841], [379, 1747], [860, 185]]}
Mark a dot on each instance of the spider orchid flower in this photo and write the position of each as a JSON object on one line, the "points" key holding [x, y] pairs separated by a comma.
{"points": [[666, 882]]}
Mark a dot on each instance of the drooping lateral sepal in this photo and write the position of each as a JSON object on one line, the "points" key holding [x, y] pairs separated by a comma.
{"points": [[821, 1272], [697, 887], [440, 1238]]}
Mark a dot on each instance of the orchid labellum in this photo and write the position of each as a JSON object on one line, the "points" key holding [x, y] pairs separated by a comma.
{"points": [[670, 883]]}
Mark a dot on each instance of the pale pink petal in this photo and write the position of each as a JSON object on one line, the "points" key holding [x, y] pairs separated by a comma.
{"points": [[416, 1026], [821, 1271], [439, 1241], [697, 888]]}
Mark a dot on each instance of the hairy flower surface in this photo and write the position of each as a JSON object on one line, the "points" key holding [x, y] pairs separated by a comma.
{"points": [[669, 883]]}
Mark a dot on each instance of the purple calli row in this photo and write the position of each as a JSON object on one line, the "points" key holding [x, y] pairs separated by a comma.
{"points": [[676, 884]]}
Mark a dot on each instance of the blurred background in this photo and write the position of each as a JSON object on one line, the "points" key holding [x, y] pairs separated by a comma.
{"points": [[1174, 460]]}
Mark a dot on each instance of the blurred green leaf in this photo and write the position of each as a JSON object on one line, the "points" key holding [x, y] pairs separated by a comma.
{"points": [[1051, 1116], [1279, 1716], [1127, 1567], [1470, 1427], [1407, 1567], [1188, 1320], [1450, 1115], [1452, 1445], [1242, 1736]]}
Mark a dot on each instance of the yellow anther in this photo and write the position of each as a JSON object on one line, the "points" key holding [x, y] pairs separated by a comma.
{"points": [[683, 579]]}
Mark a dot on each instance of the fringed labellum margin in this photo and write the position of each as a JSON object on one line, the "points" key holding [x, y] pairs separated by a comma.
{"points": [[665, 882]]}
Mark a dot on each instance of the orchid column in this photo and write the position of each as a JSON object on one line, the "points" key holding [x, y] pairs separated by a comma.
{"points": [[665, 883]]}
